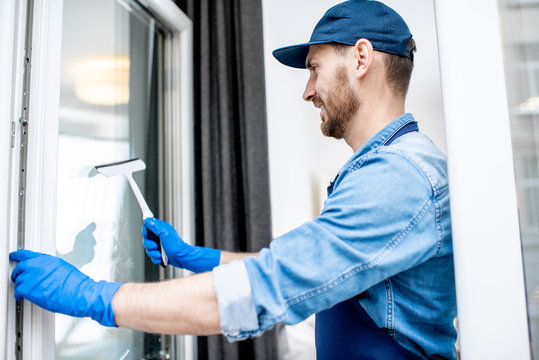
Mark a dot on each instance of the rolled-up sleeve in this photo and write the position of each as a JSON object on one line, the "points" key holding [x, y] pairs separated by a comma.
{"points": [[236, 307]]}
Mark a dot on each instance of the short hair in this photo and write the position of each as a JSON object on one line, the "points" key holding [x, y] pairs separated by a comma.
{"points": [[398, 68]]}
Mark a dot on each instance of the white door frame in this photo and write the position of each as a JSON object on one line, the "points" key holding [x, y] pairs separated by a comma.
{"points": [[40, 219], [486, 238]]}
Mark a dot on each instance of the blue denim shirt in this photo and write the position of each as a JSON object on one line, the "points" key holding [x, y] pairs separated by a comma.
{"points": [[384, 233]]}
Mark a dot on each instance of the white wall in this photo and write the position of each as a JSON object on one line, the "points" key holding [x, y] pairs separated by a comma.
{"points": [[299, 154]]}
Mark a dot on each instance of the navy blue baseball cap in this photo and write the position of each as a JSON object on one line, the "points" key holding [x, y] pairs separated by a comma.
{"points": [[346, 23]]}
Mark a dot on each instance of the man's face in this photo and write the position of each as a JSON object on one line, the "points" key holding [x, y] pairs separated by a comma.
{"points": [[330, 90]]}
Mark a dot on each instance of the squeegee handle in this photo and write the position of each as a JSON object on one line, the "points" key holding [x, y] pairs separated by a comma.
{"points": [[146, 213]]}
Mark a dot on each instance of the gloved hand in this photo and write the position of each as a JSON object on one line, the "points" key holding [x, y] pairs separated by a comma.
{"points": [[193, 258], [58, 286]]}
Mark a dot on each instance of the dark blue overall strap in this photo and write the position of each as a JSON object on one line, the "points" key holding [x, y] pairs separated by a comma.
{"points": [[346, 331], [411, 126]]}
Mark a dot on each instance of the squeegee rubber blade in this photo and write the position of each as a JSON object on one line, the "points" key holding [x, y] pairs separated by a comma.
{"points": [[121, 167]]}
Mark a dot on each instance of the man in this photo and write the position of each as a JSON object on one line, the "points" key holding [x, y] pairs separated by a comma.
{"points": [[376, 266]]}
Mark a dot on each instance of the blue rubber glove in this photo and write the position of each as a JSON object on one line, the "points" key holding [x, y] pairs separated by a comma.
{"points": [[58, 286], [193, 258]]}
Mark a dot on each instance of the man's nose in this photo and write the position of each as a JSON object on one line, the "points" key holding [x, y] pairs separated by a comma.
{"points": [[309, 93]]}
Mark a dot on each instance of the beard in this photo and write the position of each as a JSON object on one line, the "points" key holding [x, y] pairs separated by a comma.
{"points": [[340, 105]]}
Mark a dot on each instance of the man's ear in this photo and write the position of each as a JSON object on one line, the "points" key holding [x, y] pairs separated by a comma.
{"points": [[363, 56]]}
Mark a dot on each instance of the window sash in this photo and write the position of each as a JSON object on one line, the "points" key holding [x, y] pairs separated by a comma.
{"points": [[38, 333]]}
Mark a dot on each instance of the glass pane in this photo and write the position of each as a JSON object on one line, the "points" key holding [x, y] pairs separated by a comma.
{"points": [[108, 113], [520, 32]]}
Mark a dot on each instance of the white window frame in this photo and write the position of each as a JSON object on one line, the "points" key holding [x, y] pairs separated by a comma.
{"points": [[8, 31], [40, 219], [486, 238]]}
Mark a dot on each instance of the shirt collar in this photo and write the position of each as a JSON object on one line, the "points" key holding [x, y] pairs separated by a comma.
{"points": [[382, 136]]}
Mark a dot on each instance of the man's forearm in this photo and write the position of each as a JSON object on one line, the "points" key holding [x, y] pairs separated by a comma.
{"points": [[227, 256], [178, 306]]}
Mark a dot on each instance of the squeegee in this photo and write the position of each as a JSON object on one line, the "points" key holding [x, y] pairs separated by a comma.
{"points": [[127, 168]]}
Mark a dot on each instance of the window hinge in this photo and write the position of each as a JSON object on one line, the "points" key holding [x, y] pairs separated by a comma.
{"points": [[12, 134]]}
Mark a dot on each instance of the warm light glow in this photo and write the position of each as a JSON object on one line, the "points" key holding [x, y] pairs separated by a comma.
{"points": [[103, 81]]}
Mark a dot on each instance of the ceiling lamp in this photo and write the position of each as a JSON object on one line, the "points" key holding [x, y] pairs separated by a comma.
{"points": [[103, 81]]}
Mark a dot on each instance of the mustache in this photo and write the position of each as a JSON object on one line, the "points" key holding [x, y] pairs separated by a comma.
{"points": [[317, 102]]}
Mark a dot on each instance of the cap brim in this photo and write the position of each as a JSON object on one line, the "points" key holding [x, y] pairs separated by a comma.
{"points": [[295, 55]]}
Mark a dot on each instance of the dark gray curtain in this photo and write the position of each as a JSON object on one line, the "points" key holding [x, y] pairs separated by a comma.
{"points": [[232, 181]]}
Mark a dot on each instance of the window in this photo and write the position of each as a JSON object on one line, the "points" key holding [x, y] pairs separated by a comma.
{"points": [[99, 81], [112, 55], [521, 54]]}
